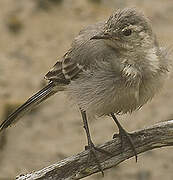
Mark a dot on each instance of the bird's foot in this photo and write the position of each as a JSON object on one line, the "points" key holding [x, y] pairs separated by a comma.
{"points": [[93, 150], [125, 136]]}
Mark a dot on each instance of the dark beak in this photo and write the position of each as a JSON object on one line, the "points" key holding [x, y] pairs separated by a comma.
{"points": [[102, 36]]}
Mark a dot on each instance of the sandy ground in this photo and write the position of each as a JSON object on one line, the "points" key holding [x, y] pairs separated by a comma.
{"points": [[32, 37]]}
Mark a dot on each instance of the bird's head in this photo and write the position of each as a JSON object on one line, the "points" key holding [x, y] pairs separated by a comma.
{"points": [[127, 29]]}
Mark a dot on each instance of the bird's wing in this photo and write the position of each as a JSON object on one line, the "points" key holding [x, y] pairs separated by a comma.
{"points": [[64, 71], [77, 58]]}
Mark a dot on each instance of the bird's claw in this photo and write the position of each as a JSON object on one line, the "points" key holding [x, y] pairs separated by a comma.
{"points": [[123, 134], [93, 153]]}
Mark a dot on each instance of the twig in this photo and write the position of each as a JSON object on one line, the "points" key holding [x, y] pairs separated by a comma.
{"points": [[76, 167]]}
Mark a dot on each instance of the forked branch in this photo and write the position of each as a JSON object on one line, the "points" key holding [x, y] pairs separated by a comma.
{"points": [[76, 167]]}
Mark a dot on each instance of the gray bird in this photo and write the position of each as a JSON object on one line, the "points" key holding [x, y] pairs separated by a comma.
{"points": [[113, 67]]}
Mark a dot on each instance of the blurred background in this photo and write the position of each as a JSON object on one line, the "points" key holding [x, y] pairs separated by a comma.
{"points": [[33, 35]]}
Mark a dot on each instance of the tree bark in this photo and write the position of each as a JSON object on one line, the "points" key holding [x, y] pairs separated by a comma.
{"points": [[76, 167]]}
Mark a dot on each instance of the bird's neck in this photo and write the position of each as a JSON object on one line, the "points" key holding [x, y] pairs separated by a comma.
{"points": [[144, 63]]}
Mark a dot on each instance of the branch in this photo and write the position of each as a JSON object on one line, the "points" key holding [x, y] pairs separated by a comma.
{"points": [[76, 167]]}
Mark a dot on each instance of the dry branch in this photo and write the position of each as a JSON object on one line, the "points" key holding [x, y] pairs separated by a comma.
{"points": [[76, 167]]}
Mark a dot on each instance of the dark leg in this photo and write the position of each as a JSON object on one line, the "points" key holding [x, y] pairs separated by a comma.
{"points": [[91, 147], [122, 133]]}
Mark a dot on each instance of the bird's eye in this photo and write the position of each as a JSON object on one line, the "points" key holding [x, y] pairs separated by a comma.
{"points": [[127, 32]]}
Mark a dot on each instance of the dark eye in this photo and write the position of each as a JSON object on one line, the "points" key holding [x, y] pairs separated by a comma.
{"points": [[127, 32]]}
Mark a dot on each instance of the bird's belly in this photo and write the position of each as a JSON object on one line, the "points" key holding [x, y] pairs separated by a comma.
{"points": [[102, 95], [120, 102], [105, 99]]}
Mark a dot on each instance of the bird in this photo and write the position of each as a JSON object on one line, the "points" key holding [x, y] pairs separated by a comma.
{"points": [[113, 67]]}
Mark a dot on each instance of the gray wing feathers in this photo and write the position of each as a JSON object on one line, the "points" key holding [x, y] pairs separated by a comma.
{"points": [[77, 58]]}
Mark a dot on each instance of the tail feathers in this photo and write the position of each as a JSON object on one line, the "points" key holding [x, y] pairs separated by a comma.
{"points": [[36, 99]]}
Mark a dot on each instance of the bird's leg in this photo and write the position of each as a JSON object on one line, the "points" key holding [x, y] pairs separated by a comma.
{"points": [[124, 133], [91, 147]]}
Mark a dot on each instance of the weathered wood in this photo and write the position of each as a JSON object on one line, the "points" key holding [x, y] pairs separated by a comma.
{"points": [[76, 167]]}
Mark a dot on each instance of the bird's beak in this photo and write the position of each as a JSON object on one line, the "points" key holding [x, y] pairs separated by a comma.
{"points": [[102, 36]]}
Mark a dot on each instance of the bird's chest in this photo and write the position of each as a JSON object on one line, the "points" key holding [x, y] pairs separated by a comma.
{"points": [[139, 86]]}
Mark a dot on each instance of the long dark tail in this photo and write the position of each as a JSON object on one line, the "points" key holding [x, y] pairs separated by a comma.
{"points": [[36, 99]]}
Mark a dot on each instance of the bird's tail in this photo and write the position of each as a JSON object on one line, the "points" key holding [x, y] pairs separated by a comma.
{"points": [[36, 99]]}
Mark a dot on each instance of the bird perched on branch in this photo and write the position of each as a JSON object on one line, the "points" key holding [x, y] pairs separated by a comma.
{"points": [[113, 67]]}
